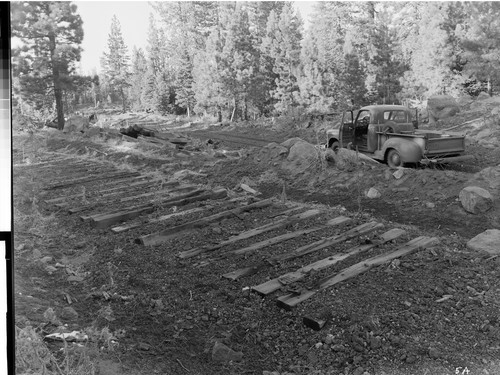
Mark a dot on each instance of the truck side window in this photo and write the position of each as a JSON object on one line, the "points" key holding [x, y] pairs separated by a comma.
{"points": [[363, 119]]}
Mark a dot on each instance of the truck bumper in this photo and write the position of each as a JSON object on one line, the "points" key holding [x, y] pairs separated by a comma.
{"points": [[446, 160]]}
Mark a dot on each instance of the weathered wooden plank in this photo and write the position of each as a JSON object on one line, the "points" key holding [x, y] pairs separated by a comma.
{"points": [[118, 186], [291, 300], [301, 251], [178, 190], [105, 221], [272, 285], [330, 241], [70, 183], [159, 237], [111, 199], [118, 197], [288, 236], [124, 228], [164, 202], [252, 233]]}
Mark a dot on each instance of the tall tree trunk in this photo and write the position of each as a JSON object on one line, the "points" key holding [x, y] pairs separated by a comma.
{"points": [[123, 98], [234, 110], [57, 82], [219, 114]]}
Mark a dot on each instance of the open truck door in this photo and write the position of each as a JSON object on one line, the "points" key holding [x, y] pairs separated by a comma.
{"points": [[347, 129]]}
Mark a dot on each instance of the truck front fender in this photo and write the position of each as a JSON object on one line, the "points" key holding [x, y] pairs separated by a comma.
{"points": [[332, 135], [409, 151]]}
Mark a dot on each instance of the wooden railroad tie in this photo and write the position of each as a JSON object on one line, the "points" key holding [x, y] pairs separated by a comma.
{"points": [[291, 300], [118, 198], [252, 233], [117, 175], [162, 236], [175, 215], [275, 284], [120, 185], [106, 220], [307, 249]]}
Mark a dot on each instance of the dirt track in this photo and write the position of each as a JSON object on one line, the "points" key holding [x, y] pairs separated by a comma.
{"points": [[166, 313]]}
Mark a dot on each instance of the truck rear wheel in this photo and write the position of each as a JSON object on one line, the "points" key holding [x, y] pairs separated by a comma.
{"points": [[394, 159]]}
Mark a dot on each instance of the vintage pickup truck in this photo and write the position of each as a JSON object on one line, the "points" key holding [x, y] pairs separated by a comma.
{"points": [[387, 133]]}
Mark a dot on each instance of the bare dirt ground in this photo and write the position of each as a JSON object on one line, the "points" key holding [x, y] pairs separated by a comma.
{"points": [[145, 310]]}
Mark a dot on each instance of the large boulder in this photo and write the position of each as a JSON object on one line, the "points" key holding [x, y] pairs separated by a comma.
{"points": [[441, 107], [302, 156], [488, 241], [76, 124], [475, 200]]}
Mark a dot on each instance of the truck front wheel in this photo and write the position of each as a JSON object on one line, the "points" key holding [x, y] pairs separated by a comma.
{"points": [[394, 159], [335, 146]]}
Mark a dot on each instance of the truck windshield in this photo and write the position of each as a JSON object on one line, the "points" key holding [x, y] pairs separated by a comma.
{"points": [[396, 116]]}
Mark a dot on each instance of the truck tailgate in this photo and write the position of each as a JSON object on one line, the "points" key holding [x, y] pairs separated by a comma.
{"points": [[445, 145]]}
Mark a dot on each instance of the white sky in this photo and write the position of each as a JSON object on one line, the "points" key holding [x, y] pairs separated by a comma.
{"points": [[134, 21]]}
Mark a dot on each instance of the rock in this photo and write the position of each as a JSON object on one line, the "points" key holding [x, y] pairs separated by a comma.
{"points": [[441, 107], [330, 156], [302, 157], [46, 260], [76, 279], [434, 353], [223, 353], [76, 124], [290, 142], [488, 241], [219, 154], [398, 174], [482, 96], [338, 348], [475, 199], [329, 339], [375, 342], [143, 346], [430, 205], [93, 131], [36, 253], [69, 313], [50, 269], [373, 193]]}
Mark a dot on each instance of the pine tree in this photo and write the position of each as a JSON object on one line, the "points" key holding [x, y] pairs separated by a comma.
{"points": [[207, 70], [51, 33], [480, 40], [322, 55], [139, 68], [430, 49], [116, 62], [282, 45]]}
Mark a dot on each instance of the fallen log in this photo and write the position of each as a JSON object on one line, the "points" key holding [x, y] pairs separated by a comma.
{"points": [[159, 237], [252, 233], [105, 221], [272, 285], [291, 300]]}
